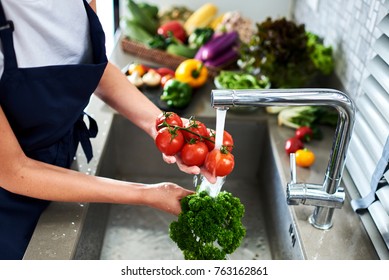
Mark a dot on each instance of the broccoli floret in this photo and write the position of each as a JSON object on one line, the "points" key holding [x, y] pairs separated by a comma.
{"points": [[209, 228]]}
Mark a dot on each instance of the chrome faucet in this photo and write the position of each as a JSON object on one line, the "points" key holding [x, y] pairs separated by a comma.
{"points": [[329, 195]]}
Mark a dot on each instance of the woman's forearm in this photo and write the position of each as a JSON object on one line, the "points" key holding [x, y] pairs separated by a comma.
{"points": [[25, 176], [115, 90], [44, 181]]}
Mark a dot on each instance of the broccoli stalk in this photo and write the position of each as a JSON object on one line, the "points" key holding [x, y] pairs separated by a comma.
{"points": [[209, 228]]}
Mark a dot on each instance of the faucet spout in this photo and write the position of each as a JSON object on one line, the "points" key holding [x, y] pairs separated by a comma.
{"points": [[325, 205]]}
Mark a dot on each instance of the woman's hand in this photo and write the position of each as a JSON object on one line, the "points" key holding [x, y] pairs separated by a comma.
{"points": [[189, 169], [165, 196]]}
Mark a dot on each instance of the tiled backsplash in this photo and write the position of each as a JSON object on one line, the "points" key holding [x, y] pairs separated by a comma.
{"points": [[350, 27]]}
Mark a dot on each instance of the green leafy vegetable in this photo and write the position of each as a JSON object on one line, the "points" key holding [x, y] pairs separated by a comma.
{"points": [[320, 55], [311, 116], [200, 36], [286, 53], [209, 228], [238, 80], [162, 42]]}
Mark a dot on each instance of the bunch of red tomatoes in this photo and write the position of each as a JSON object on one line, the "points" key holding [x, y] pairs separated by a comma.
{"points": [[194, 143]]}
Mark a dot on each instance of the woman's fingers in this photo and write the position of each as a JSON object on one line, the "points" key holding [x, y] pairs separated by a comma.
{"points": [[189, 169]]}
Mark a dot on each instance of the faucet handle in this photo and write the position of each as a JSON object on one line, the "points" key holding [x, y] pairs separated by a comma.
{"points": [[292, 162], [292, 185]]}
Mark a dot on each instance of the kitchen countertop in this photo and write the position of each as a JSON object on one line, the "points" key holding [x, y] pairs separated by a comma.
{"points": [[58, 231]]}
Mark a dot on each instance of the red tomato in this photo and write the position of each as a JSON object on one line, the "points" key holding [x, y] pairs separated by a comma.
{"points": [[219, 162], [198, 128], [304, 133], [169, 141], [169, 118], [175, 27], [293, 144], [194, 153], [163, 71], [228, 141]]}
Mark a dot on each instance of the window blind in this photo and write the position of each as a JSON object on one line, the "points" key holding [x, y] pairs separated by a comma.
{"points": [[367, 159]]}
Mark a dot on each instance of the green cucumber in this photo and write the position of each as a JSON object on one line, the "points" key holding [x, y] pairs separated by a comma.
{"points": [[181, 50]]}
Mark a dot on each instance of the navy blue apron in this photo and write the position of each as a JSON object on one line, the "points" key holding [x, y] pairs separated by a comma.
{"points": [[44, 106]]}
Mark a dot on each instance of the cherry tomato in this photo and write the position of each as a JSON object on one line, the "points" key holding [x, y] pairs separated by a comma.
{"points": [[198, 128], [228, 141], [304, 133], [293, 144], [169, 141], [305, 157], [219, 162], [169, 118], [194, 153]]}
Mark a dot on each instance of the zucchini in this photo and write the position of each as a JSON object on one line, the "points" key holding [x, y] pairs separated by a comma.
{"points": [[141, 18], [181, 50], [135, 32]]}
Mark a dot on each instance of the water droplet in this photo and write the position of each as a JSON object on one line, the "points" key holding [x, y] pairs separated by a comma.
{"points": [[51, 253]]}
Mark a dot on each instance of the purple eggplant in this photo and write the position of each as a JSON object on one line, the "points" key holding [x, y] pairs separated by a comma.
{"points": [[217, 45], [223, 59]]}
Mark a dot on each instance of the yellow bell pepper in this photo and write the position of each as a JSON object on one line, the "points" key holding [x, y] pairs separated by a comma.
{"points": [[192, 72]]}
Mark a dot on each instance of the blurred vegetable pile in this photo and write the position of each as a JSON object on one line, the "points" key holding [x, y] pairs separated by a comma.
{"points": [[177, 85], [204, 33], [276, 53], [284, 51]]}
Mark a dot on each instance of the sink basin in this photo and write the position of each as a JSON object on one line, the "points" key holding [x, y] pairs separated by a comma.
{"points": [[138, 232]]}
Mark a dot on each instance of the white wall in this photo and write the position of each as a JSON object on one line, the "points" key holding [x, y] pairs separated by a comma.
{"points": [[257, 10]]}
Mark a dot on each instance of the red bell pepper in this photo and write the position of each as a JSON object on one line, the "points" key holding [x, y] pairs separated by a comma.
{"points": [[175, 28]]}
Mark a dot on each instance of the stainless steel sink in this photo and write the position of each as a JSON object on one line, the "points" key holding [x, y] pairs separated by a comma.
{"points": [[137, 232]]}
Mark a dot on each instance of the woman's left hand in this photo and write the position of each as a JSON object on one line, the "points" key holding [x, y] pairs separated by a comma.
{"points": [[166, 196]]}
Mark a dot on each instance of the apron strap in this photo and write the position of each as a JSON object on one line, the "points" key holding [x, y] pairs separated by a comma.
{"points": [[84, 134], [3, 20], [6, 30]]}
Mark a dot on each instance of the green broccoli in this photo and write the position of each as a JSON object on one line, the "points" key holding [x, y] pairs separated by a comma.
{"points": [[209, 228]]}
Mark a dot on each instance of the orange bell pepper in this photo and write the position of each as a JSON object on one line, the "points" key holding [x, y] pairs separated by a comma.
{"points": [[192, 72]]}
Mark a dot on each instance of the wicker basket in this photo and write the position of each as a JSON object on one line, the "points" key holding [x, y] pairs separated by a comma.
{"points": [[158, 56]]}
